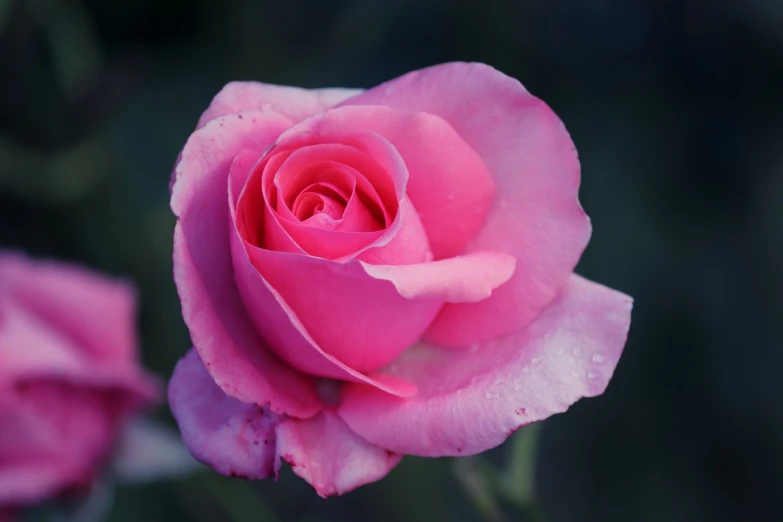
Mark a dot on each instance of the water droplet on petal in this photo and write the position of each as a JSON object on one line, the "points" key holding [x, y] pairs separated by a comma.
{"points": [[592, 375], [518, 387], [599, 358], [535, 360], [576, 350]]}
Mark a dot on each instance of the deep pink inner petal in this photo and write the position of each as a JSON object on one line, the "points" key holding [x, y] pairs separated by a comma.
{"points": [[330, 200], [364, 211], [347, 168], [319, 198], [449, 183], [316, 205]]}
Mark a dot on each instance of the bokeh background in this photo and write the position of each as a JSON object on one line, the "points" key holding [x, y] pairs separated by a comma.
{"points": [[676, 108]]}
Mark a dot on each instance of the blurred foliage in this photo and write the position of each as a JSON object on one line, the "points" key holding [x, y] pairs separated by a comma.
{"points": [[676, 110], [489, 487]]}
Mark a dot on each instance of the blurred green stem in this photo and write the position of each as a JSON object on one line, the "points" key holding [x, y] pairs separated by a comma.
{"points": [[478, 478], [237, 499], [487, 486], [518, 480]]}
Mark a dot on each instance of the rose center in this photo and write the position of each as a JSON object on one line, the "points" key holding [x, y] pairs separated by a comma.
{"points": [[319, 201]]}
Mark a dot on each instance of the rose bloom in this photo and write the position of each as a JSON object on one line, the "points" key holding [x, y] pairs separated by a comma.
{"points": [[368, 274], [69, 377]]}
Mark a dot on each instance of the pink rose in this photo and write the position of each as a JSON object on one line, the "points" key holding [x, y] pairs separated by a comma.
{"points": [[372, 274], [69, 376]]}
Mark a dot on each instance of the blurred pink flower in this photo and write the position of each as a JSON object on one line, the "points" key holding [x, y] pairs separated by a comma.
{"points": [[372, 274], [69, 376]]}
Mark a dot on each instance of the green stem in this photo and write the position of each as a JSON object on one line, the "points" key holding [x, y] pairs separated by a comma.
{"points": [[237, 500]]}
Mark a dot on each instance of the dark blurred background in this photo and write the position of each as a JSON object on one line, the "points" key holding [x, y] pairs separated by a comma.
{"points": [[675, 106]]}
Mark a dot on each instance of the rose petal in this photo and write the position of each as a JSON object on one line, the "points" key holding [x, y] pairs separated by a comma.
{"points": [[55, 356], [293, 102], [334, 243], [470, 400], [222, 332], [408, 245], [69, 300], [43, 338], [55, 435], [328, 455], [232, 437], [283, 329], [381, 177], [360, 321], [275, 319], [459, 279], [30, 482], [412, 245], [448, 182], [246, 441], [535, 217]]}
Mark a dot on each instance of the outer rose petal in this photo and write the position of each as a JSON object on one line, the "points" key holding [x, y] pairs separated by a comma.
{"points": [[328, 455], [54, 357], [41, 337], [30, 482], [222, 332], [536, 216], [69, 299], [232, 437], [294, 102], [470, 400], [55, 434], [244, 440]]}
